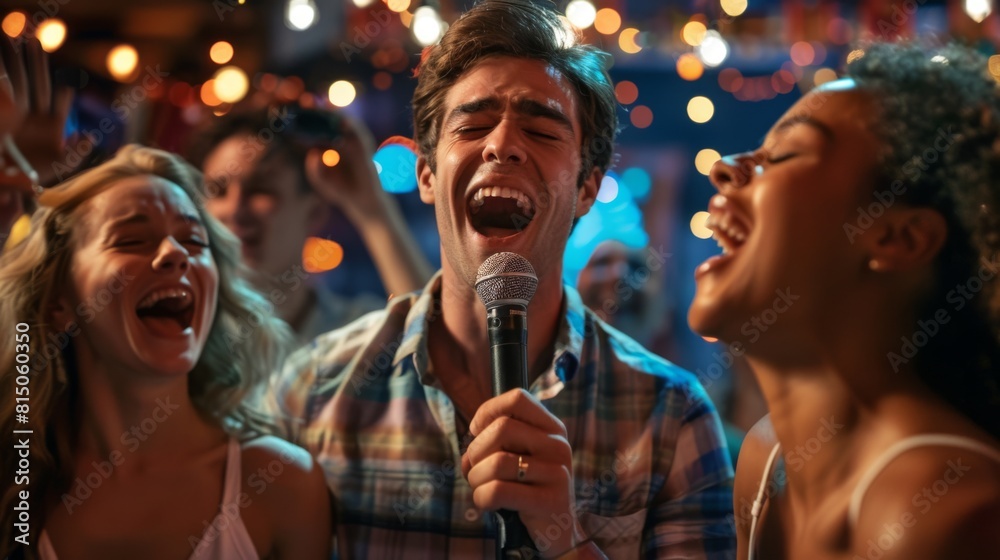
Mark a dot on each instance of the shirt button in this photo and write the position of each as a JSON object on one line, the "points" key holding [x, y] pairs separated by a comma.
{"points": [[471, 514]]}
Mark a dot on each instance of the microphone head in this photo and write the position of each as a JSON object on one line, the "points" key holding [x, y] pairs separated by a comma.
{"points": [[506, 278]]}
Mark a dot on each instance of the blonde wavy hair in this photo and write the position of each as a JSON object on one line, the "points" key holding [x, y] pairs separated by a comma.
{"points": [[245, 345]]}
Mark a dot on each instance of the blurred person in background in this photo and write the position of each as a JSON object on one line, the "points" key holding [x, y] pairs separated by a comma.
{"points": [[268, 184]]}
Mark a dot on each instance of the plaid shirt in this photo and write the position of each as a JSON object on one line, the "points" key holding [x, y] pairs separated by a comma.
{"points": [[650, 464]]}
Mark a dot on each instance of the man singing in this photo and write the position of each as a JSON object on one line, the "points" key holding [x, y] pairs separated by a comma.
{"points": [[612, 451]]}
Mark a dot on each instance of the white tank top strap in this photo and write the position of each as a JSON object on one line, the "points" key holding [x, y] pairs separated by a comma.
{"points": [[758, 503], [902, 446]]}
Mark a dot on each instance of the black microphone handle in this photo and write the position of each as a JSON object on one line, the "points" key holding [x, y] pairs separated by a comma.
{"points": [[508, 333]]}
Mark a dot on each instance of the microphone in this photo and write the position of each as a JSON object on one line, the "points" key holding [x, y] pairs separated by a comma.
{"points": [[505, 284]]}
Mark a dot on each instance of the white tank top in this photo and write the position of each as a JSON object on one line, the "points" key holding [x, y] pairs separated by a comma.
{"points": [[232, 542], [858, 495]]}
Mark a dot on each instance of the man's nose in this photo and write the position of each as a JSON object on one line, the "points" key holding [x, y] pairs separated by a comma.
{"points": [[504, 144]]}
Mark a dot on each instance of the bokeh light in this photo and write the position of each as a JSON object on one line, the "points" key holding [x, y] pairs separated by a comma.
{"points": [[700, 109], [824, 75], [607, 21], [994, 66], [581, 13], [207, 94], [230, 84], [342, 93], [626, 92], [331, 158], [978, 9], [608, 190], [638, 182], [51, 34], [693, 33], [321, 255], [734, 7], [713, 49], [221, 52], [396, 165], [13, 24], [689, 67], [121, 62], [641, 116], [730, 79], [783, 81], [699, 225], [300, 14], [705, 159], [626, 40], [803, 53], [382, 80], [427, 26], [398, 5]]}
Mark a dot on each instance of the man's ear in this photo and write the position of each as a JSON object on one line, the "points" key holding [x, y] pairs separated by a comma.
{"points": [[425, 180], [587, 193], [906, 238]]}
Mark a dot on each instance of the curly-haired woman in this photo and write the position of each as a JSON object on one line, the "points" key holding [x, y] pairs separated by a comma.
{"points": [[859, 277]]}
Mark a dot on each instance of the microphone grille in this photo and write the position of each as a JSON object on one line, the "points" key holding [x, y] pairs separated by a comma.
{"points": [[506, 276]]}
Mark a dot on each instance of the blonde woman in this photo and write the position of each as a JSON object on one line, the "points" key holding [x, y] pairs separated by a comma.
{"points": [[137, 348]]}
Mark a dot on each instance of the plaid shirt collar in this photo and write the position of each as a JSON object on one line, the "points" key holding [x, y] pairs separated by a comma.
{"points": [[568, 346]]}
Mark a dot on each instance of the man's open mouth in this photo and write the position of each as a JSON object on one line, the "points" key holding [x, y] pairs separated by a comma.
{"points": [[167, 311], [500, 211]]}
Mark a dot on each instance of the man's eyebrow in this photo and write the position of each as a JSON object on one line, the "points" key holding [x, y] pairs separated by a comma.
{"points": [[528, 107], [533, 108], [473, 107], [803, 119]]}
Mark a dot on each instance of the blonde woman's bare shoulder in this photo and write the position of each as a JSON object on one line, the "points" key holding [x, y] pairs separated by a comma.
{"points": [[289, 485]]}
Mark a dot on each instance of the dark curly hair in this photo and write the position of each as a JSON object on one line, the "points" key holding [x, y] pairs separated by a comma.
{"points": [[519, 29], [939, 123]]}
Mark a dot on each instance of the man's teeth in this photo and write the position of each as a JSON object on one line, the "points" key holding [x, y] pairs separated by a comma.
{"points": [[153, 298], [501, 192]]}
